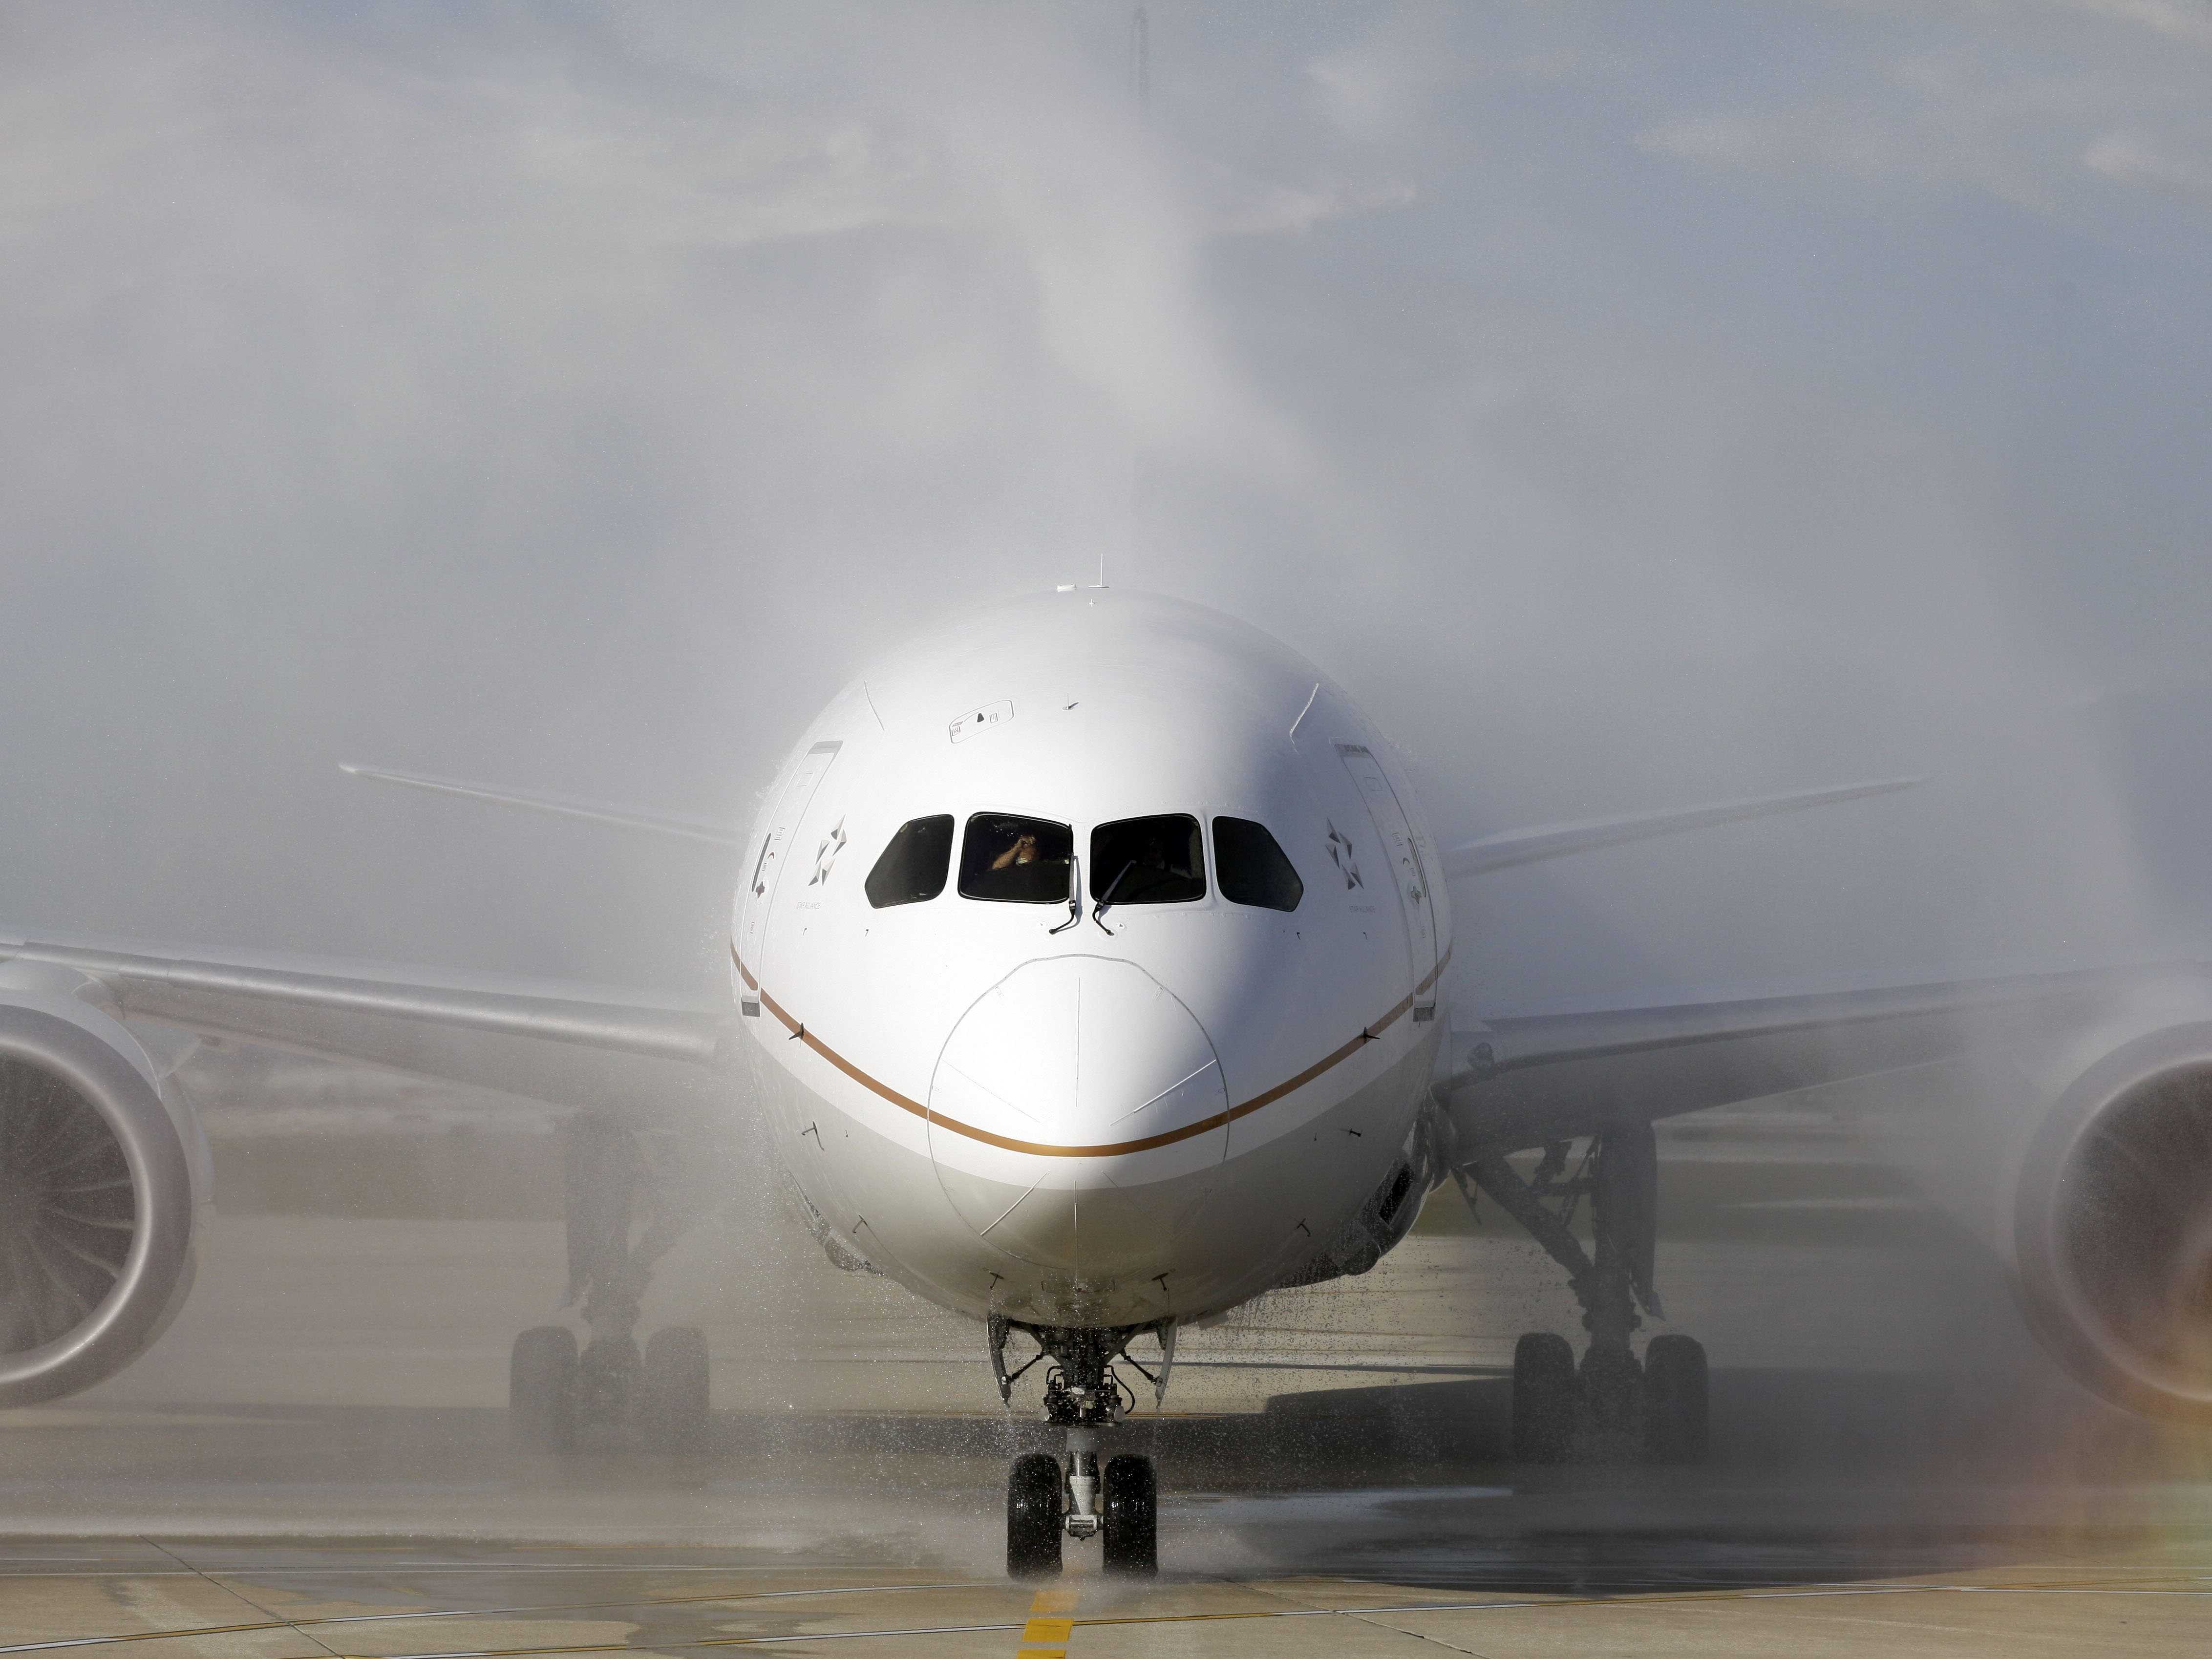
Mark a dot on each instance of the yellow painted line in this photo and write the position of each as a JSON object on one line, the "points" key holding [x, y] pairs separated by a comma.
{"points": [[1051, 1622]]}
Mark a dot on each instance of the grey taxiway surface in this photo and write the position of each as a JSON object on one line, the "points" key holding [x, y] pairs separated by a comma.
{"points": [[313, 1461]]}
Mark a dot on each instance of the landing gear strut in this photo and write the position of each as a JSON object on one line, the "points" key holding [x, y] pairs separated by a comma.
{"points": [[555, 1391], [1051, 1498], [1611, 1408]]}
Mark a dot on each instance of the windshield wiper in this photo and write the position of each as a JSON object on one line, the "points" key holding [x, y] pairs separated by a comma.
{"points": [[1107, 898], [1074, 895]]}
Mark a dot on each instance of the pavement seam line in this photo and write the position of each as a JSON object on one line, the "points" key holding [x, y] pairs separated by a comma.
{"points": [[1201, 1618], [280, 1622], [1562, 1603], [272, 1622], [1372, 1623]]}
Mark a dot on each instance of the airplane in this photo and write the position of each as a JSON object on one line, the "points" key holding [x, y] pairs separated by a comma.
{"points": [[1087, 977]]}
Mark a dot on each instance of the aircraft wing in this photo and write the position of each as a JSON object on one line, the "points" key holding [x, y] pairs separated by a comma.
{"points": [[591, 1049], [1522, 1081], [1553, 840]]}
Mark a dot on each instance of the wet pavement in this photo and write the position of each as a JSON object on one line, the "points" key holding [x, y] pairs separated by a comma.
{"points": [[314, 1462], [1846, 1513], [1573, 1563]]}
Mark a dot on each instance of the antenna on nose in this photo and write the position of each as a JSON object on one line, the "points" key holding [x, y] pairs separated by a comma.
{"points": [[1140, 86]]}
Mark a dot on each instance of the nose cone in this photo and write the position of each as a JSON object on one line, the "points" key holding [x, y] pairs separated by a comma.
{"points": [[1077, 1116]]}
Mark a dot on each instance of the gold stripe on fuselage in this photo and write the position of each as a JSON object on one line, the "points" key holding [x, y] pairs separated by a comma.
{"points": [[1336, 1057]]}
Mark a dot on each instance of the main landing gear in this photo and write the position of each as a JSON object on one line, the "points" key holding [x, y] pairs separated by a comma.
{"points": [[556, 1391], [1610, 1408], [1051, 1498]]}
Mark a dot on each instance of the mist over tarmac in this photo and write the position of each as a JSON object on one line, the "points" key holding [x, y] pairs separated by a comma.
{"points": [[1630, 407]]}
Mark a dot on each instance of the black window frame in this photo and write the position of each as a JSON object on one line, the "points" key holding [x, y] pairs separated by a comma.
{"points": [[1222, 865], [1058, 895], [1102, 879], [944, 871]]}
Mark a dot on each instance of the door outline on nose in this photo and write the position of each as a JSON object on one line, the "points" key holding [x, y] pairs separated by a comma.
{"points": [[758, 894], [1394, 827]]}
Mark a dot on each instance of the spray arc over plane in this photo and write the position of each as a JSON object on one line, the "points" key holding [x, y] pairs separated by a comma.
{"points": [[1090, 975]]}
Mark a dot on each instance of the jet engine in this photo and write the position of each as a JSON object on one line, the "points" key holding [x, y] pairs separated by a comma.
{"points": [[2112, 1224], [98, 1182]]}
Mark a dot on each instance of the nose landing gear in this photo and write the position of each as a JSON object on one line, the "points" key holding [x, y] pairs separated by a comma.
{"points": [[1049, 1499]]}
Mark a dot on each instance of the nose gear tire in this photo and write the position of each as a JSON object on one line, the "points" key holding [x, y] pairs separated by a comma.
{"points": [[1033, 1517], [1130, 1498]]}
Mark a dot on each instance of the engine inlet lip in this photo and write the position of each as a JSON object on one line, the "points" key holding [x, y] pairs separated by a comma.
{"points": [[2059, 1307], [152, 1150]]}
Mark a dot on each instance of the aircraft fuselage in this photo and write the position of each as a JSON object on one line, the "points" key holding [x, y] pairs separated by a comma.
{"points": [[1020, 1104]]}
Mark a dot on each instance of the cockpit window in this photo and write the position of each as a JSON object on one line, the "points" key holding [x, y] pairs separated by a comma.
{"points": [[1016, 860], [1253, 867], [913, 867], [1159, 860]]}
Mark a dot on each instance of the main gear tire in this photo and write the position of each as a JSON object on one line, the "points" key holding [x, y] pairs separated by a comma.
{"points": [[1676, 1413], [1544, 1394], [541, 1389], [673, 1400]]}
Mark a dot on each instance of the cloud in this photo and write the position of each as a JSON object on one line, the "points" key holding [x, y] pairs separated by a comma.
{"points": [[2007, 113], [2137, 158], [2173, 19], [1273, 209], [1380, 86]]}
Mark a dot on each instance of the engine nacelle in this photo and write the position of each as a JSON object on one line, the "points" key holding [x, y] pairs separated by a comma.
{"points": [[2112, 1224], [100, 1171], [2071, 1134]]}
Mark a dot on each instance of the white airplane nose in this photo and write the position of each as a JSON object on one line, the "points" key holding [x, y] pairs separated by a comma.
{"points": [[1078, 1115]]}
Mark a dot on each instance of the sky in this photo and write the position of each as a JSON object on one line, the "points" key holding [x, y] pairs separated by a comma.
{"points": [[1632, 407]]}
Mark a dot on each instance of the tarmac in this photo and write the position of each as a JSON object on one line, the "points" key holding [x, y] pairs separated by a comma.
{"points": [[275, 1600], [314, 1462]]}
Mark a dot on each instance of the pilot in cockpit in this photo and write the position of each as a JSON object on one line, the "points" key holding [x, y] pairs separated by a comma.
{"points": [[1023, 851]]}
